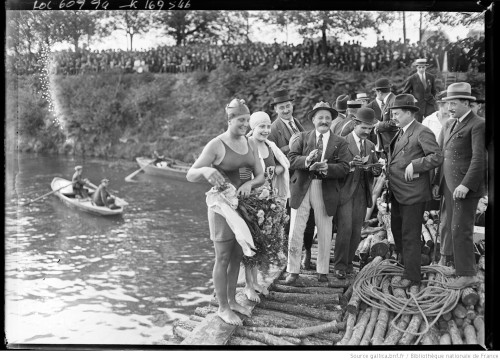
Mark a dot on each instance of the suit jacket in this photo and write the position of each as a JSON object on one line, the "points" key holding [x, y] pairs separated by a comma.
{"points": [[337, 157], [424, 96], [337, 128], [349, 184], [281, 134], [465, 156], [374, 105], [417, 146], [340, 118]]}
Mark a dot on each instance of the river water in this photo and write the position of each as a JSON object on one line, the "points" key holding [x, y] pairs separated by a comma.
{"points": [[75, 278]]}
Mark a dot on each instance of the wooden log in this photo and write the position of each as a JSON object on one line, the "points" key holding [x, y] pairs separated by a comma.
{"points": [[351, 320], [360, 327], [303, 299], [379, 245], [314, 341], [278, 319], [376, 192], [410, 334], [333, 336], [459, 322], [204, 311], [386, 219], [298, 332], [364, 248], [367, 335], [470, 335], [425, 259], [445, 339], [479, 326], [301, 310], [180, 332], [469, 296], [471, 313], [454, 333], [447, 316], [196, 318], [431, 337], [186, 324], [365, 232], [394, 335], [243, 341], [307, 290], [382, 319], [263, 337], [459, 311], [344, 299]]}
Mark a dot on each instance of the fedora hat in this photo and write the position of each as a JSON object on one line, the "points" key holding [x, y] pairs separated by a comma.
{"points": [[281, 96], [405, 101], [362, 96], [459, 91], [365, 115], [382, 83], [354, 103], [341, 103], [420, 62], [322, 106], [479, 99]]}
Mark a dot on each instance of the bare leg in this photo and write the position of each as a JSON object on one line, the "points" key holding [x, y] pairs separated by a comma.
{"points": [[256, 285], [223, 252], [232, 279], [250, 284]]}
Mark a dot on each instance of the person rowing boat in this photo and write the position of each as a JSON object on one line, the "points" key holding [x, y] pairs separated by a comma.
{"points": [[79, 182]]}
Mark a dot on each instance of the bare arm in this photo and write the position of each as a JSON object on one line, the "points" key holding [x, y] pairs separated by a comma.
{"points": [[202, 168]]}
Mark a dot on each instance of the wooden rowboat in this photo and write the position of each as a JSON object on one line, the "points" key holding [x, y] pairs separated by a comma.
{"points": [[166, 167], [68, 197]]}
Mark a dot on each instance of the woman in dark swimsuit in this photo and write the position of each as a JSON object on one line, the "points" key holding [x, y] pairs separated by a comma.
{"points": [[230, 157]]}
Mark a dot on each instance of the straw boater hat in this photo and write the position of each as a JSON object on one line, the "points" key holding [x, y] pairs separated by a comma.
{"points": [[405, 101], [341, 103], [360, 96], [459, 91], [281, 96], [322, 106], [78, 167], [105, 180], [420, 62], [365, 115], [382, 83], [354, 103]]}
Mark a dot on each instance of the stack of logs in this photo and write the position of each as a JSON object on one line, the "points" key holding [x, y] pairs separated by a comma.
{"points": [[307, 313], [366, 325]]}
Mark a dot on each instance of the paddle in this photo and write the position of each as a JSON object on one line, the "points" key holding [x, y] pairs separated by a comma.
{"points": [[132, 175], [118, 201], [47, 194]]}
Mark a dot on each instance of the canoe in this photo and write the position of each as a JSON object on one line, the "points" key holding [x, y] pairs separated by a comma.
{"points": [[67, 196], [166, 167]]}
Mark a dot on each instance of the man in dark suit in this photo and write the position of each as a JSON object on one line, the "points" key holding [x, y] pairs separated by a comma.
{"points": [[346, 126], [355, 191], [341, 107], [282, 129], [461, 180], [385, 128], [421, 86], [319, 159], [413, 153]]}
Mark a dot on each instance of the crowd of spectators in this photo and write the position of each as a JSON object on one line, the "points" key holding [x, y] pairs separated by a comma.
{"points": [[461, 56]]}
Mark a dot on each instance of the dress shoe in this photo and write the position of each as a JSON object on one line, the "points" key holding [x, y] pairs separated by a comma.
{"points": [[322, 278], [306, 262], [291, 278], [339, 274], [463, 282]]}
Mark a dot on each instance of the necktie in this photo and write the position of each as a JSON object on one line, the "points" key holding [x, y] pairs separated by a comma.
{"points": [[422, 78], [400, 134], [382, 105], [361, 148], [294, 128], [320, 148]]}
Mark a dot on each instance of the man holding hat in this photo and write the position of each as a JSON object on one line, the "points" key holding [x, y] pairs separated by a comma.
{"points": [[413, 153], [461, 181], [355, 191], [346, 126], [341, 107], [78, 183], [319, 159], [282, 129], [421, 85]]}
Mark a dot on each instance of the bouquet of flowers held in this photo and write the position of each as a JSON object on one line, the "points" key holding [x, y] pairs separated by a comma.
{"points": [[265, 215]]}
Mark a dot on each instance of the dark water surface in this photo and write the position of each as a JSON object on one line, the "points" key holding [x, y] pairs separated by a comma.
{"points": [[75, 278]]}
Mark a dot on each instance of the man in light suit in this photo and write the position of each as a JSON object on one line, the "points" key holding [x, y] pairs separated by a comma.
{"points": [[319, 159], [413, 153], [384, 129], [421, 86], [355, 191], [282, 129], [461, 180]]}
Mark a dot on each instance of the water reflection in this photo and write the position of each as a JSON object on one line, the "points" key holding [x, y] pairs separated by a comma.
{"points": [[72, 277]]}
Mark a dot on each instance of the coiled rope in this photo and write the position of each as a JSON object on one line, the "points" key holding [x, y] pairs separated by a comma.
{"points": [[432, 300]]}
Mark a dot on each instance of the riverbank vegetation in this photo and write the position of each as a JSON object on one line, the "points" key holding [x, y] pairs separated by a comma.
{"points": [[118, 115]]}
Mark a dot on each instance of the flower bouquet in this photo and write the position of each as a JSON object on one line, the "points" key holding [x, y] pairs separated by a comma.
{"points": [[265, 215]]}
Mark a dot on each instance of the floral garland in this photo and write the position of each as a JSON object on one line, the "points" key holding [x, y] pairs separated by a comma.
{"points": [[265, 215]]}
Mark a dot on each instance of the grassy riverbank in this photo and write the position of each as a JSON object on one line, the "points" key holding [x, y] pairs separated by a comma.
{"points": [[127, 115]]}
